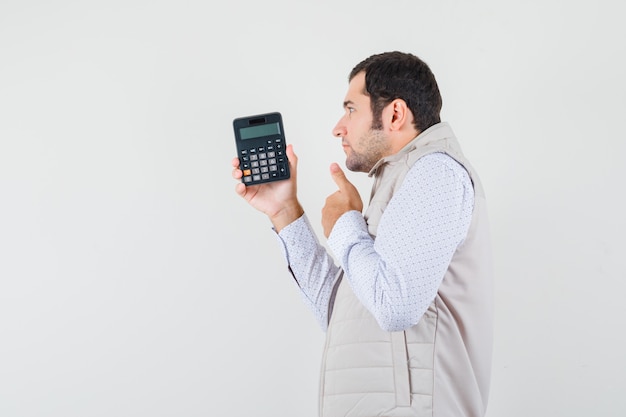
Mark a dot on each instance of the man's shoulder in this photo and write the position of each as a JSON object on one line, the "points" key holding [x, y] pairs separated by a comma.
{"points": [[437, 161]]}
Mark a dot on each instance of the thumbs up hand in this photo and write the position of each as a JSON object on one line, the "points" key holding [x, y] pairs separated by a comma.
{"points": [[341, 201]]}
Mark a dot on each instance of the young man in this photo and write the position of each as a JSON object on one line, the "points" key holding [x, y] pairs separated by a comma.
{"points": [[408, 311]]}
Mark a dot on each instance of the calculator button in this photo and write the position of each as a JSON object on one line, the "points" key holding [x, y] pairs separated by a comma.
{"points": [[263, 163]]}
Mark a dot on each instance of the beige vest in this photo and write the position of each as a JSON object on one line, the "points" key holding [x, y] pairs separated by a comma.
{"points": [[441, 366]]}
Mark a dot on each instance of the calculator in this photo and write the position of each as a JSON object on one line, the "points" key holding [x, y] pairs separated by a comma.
{"points": [[261, 147]]}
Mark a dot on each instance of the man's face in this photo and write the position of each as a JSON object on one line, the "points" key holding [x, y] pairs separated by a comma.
{"points": [[363, 145]]}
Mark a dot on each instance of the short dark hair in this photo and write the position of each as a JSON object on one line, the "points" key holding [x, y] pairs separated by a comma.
{"points": [[392, 75]]}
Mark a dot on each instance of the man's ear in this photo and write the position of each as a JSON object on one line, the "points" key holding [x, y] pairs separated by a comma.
{"points": [[400, 115]]}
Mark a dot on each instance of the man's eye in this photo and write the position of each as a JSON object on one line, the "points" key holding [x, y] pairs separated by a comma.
{"points": [[350, 109]]}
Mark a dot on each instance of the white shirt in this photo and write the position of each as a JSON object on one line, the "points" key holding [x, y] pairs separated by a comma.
{"points": [[396, 275]]}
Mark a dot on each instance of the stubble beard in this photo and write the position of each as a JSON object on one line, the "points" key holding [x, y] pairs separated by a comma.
{"points": [[375, 146]]}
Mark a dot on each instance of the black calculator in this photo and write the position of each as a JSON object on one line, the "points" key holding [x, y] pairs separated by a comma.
{"points": [[261, 148]]}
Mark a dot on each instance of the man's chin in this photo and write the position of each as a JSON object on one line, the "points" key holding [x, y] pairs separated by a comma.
{"points": [[352, 167]]}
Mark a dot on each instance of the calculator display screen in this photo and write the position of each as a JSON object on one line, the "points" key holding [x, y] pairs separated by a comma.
{"points": [[259, 131]]}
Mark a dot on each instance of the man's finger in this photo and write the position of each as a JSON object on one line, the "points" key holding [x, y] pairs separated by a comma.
{"points": [[338, 176]]}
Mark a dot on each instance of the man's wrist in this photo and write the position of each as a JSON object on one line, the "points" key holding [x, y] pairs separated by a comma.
{"points": [[287, 215]]}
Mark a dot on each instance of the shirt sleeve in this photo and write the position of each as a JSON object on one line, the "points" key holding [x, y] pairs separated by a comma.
{"points": [[311, 265], [397, 275]]}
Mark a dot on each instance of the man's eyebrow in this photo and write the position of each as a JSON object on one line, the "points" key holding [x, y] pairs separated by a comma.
{"points": [[347, 103]]}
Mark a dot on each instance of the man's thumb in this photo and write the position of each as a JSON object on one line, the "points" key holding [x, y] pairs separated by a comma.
{"points": [[338, 176]]}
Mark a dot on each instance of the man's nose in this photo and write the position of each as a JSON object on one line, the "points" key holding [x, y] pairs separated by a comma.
{"points": [[339, 130]]}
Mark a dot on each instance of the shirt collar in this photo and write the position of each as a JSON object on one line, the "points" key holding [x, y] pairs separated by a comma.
{"points": [[424, 138]]}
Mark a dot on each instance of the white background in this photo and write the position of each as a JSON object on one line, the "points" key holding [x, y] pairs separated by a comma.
{"points": [[134, 282]]}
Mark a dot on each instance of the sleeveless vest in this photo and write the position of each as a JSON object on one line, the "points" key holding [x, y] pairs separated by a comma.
{"points": [[441, 366]]}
